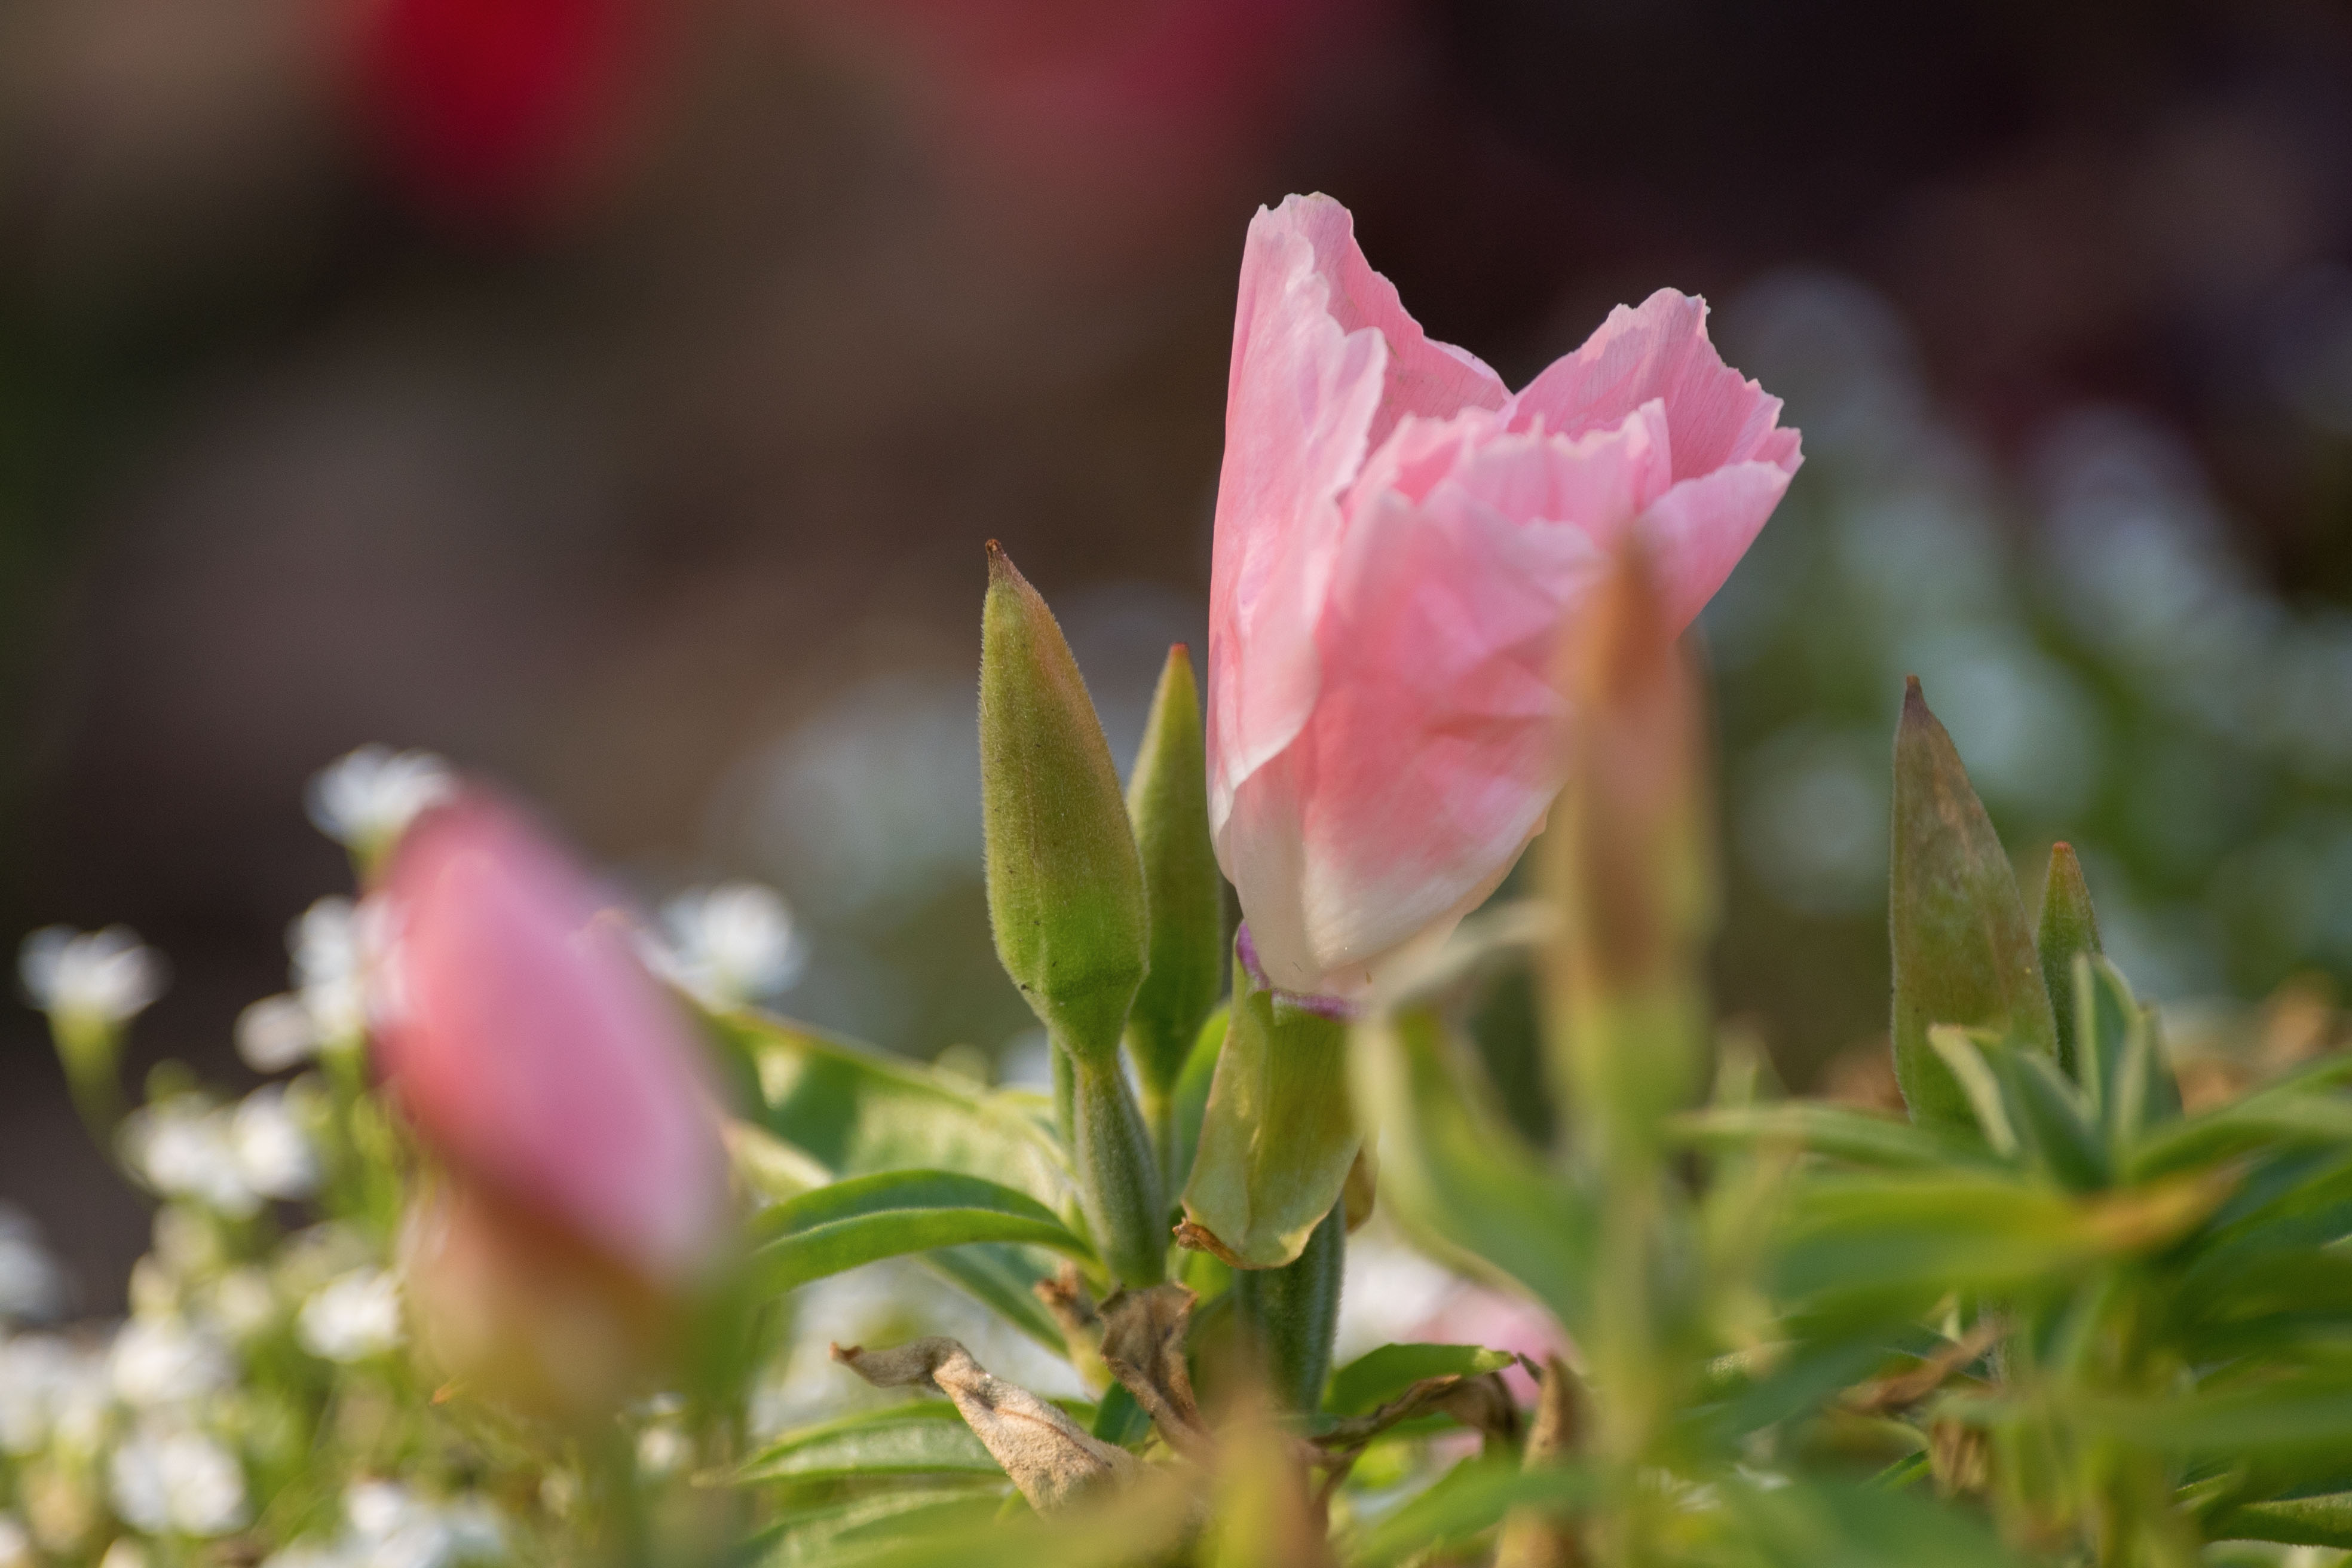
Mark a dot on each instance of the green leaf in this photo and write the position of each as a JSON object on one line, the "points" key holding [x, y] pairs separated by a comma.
{"points": [[1856, 1244], [2324, 1520], [2243, 1127], [2285, 1420], [856, 1110], [927, 1437], [1168, 799], [1467, 1500], [828, 1532], [1374, 1378], [1963, 955], [2068, 927], [1463, 1181], [1813, 1524], [1833, 1131], [1065, 884], [1119, 1419], [893, 1213], [1005, 1279], [2053, 1122], [1191, 1100]]}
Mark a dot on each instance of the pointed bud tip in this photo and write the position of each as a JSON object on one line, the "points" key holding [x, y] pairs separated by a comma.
{"points": [[2064, 852]]}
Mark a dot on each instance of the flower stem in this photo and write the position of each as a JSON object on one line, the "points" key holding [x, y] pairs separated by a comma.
{"points": [[1288, 1315]]}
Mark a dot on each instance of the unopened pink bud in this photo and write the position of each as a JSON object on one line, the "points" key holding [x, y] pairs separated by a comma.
{"points": [[535, 1054]]}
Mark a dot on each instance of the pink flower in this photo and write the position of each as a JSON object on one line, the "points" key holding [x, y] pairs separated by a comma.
{"points": [[1400, 541], [535, 1054]]}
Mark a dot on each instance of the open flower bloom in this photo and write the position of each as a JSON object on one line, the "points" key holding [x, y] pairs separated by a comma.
{"points": [[1400, 541], [534, 1052]]}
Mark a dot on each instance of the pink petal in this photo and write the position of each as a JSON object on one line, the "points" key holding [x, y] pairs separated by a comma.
{"points": [[1661, 351], [534, 1052], [1425, 377], [1433, 751], [1326, 363], [1299, 400], [1698, 530]]}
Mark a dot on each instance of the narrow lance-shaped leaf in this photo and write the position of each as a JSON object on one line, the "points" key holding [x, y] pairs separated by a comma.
{"points": [[891, 1214], [1064, 884], [1962, 952], [1465, 1184], [2068, 927], [1168, 797]]}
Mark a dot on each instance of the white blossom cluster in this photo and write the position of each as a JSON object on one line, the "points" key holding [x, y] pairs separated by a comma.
{"points": [[365, 800], [102, 978], [232, 1159], [387, 1525], [335, 948], [268, 1329]]}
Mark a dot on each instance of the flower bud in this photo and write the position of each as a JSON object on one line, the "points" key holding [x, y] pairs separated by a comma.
{"points": [[1629, 860], [2068, 927], [518, 1311], [1962, 952], [535, 1054], [1169, 800], [1065, 886]]}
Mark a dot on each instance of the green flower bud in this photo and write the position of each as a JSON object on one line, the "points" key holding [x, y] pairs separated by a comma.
{"points": [[2068, 927], [1629, 860], [1962, 952], [1168, 799], [1065, 886]]}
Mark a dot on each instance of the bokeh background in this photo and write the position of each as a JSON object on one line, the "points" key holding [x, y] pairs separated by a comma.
{"points": [[613, 394]]}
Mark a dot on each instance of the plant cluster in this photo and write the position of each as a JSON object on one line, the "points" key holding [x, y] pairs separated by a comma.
{"points": [[509, 1266]]}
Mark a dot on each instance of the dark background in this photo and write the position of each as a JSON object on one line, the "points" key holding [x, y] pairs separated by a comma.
{"points": [[616, 395]]}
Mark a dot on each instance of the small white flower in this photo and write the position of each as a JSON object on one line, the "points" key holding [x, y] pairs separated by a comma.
{"points": [[185, 1150], [32, 1286], [274, 1155], [51, 1391], [365, 800], [32, 1368], [101, 977], [16, 1542], [351, 1316], [162, 1362], [728, 944], [332, 944], [661, 1449], [276, 1033], [392, 1527], [179, 1483]]}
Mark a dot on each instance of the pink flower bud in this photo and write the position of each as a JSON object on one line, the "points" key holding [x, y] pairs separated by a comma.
{"points": [[1400, 544], [535, 1054]]}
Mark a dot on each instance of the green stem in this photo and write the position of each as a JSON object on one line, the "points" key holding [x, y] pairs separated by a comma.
{"points": [[1117, 1174], [1288, 1315]]}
